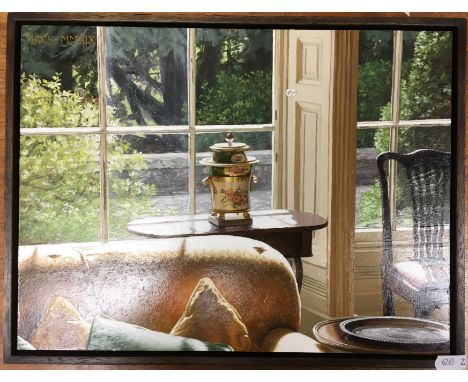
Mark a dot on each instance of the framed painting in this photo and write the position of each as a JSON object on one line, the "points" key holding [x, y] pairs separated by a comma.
{"points": [[234, 190]]}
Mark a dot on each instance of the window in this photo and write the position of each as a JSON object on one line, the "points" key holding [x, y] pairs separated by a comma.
{"points": [[114, 122], [404, 104]]}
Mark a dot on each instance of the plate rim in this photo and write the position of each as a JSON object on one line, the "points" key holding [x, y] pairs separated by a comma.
{"points": [[381, 348], [343, 326]]}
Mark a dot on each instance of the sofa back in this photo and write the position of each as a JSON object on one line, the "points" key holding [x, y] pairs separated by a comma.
{"points": [[149, 282]]}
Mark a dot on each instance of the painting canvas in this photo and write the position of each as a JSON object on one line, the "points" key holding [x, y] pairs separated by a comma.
{"points": [[175, 190]]}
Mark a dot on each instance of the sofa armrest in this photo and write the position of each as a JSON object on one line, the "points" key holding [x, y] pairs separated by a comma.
{"points": [[287, 340]]}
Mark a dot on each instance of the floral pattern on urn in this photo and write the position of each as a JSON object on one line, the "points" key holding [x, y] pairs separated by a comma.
{"points": [[235, 198], [230, 179]]}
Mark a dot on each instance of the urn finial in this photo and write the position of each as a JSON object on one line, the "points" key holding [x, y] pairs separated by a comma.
{"points": [[229, 138]]}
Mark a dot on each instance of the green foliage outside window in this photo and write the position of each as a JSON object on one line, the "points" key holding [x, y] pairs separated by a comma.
{"points": [[236, 99], [372, 73], [234, 82], [59, 175], [375, 67], [375, 75]]}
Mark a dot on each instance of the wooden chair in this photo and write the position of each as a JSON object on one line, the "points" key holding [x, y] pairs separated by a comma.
{"points": [[424, 279]]}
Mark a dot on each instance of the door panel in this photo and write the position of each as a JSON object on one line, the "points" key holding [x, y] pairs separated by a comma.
{"points": [[308, 121], [309, 60]]}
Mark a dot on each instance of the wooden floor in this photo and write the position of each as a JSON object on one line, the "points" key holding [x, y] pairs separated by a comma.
{"points": [[3, 17]]}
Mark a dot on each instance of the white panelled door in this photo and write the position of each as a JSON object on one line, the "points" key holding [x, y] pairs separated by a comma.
{"points": [[308, 120]]}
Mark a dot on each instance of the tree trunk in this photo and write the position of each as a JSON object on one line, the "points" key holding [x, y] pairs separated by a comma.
{"points": [[174, 89]]}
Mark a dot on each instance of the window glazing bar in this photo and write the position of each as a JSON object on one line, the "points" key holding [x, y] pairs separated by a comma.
{"points": [[396, 75], [191, 82], [234, 128], [103, 189], [395, 111], [28, 131], [405, 123], [426, 123], [147, 129], [274, 154]]}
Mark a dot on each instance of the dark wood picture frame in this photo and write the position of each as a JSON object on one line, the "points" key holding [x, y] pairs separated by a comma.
{"points": [[238, 360]]}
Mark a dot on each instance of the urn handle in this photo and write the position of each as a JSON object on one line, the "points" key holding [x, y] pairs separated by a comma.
{"points": [[254, 179], [207, 181]]}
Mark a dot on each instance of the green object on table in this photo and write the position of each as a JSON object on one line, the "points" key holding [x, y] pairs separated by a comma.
{"points": [[109, 334]]}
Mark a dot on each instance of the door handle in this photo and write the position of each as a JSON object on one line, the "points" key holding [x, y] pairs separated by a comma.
{"points": [[291, 92]]}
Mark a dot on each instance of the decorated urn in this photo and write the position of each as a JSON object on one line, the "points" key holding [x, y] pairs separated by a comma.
{"points": [[230, 178]]}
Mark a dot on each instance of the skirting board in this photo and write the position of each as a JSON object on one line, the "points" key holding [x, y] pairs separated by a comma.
{"points": [[309, 318]]}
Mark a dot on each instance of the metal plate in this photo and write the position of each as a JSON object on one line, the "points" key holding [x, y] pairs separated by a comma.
{"points": [[408, 333], [330, 334]]}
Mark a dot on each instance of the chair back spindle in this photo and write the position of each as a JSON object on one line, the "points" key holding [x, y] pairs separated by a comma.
{"points": [[428, 180]]}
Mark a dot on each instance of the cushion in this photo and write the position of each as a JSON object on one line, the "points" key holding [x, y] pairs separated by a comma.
{"points": [[424, 274], [210, 317], [60, 328], [109, 334]]}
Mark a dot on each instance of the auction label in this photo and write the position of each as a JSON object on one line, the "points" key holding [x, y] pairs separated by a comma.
{"points": [[451, 362]]}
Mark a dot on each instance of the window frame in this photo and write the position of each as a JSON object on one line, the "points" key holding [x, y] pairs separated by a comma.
{"points": [[394, 125], [104, 129], [239, 360]]}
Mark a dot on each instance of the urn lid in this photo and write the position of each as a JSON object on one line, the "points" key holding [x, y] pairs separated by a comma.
{"points": [[229, 153], [229, 145]]}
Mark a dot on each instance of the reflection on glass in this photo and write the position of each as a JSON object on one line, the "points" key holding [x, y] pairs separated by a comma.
{"points": [[58, 76], [368, 199], [260, 147], [234, 76], [375, 67], [146, 76], [59, 189], [426, 75], [148, 178]]}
